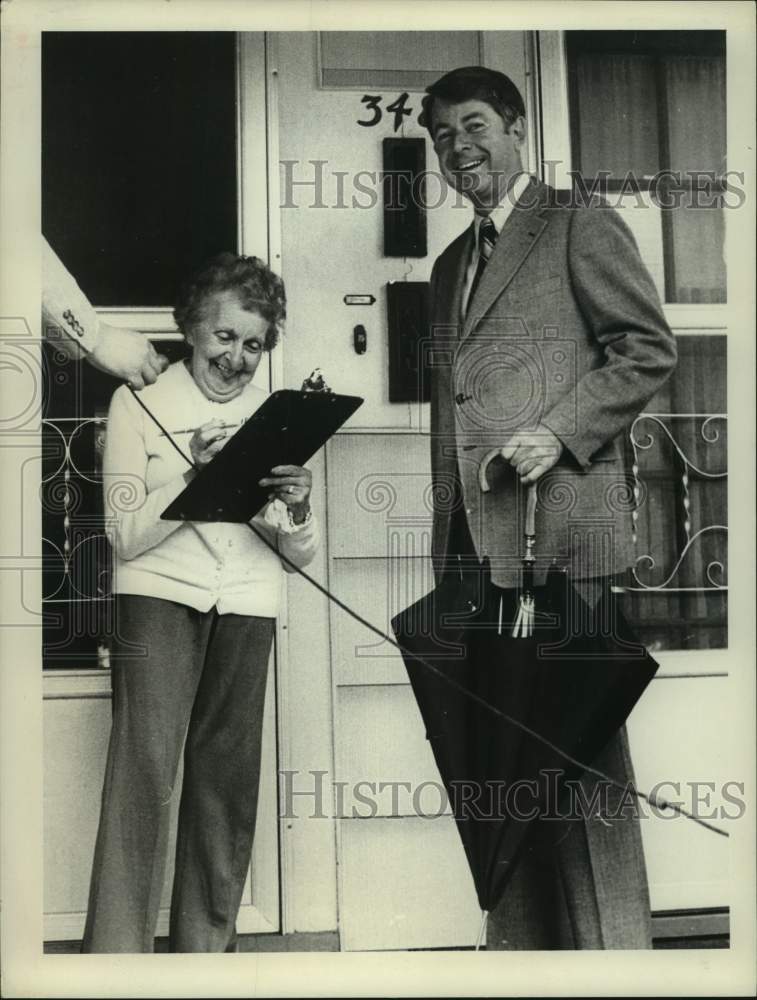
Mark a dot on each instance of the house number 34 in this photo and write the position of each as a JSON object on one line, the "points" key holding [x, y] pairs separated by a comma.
{"points": [[397, 107]]}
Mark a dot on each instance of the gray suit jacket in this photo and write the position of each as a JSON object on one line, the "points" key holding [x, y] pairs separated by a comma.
{"points": [[565, 328]]}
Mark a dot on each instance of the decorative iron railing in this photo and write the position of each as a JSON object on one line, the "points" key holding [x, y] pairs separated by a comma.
{"points": [[76, 565], [642, 437], [76, 555]]}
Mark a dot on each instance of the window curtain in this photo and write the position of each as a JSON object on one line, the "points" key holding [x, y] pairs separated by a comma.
{"points": [[695, 97], [696, 113], [617, 115]]}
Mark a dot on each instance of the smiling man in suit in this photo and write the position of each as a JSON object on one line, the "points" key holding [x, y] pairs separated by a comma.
{"points": [[548, 340]]}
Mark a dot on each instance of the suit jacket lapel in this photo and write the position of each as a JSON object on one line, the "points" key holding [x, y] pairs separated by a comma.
{"points": [[519, 234], [452, 279]]}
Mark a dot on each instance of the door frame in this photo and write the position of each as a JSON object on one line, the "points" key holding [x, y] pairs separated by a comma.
{"points": [[299, 840]]}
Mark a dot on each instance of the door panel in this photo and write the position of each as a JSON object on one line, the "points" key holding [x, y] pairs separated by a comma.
{"points": [[405, 884], [687, 865], [76, 730]]}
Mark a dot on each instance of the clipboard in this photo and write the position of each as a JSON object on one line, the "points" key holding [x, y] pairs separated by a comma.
{"points": [[288, 429]]}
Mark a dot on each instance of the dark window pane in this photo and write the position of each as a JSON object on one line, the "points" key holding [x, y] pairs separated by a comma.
{"points": [[138, 158], [616, 115], [649, 101], [695, 97], [694, 89], [697, 270]]}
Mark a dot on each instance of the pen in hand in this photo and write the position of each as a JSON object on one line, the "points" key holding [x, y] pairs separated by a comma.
{"points": [[191, 430]]}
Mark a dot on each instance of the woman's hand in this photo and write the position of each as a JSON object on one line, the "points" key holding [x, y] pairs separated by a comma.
{"points": [[207, 441], [291, 484]]}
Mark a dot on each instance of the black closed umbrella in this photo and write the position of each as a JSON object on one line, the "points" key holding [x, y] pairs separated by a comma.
{"points": [[565, 691]]}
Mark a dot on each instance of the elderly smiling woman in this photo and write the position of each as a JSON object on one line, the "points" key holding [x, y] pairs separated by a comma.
{"points": [[195, 610]]}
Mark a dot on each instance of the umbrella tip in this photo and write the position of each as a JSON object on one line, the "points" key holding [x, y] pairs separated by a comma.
{"points": [[482, 929]]}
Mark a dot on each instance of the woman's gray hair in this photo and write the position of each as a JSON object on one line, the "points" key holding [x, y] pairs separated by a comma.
{"points": [[259, 290]]}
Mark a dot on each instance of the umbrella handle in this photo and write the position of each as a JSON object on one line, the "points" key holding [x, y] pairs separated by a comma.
{"points": [[483, 483], [485, 488]]}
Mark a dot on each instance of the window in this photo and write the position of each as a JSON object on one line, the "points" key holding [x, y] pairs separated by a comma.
{"points": [[648, 124], [647, 116], [139, 186], [401, 60], [139, 161]]}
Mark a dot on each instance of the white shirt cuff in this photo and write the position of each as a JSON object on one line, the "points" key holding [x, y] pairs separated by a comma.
{"points": [[279, 516]]}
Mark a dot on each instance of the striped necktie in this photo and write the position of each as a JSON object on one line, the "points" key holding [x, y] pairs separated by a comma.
{"points": [[487, 237]]}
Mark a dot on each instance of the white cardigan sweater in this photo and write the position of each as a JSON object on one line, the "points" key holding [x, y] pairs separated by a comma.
{"points": [[198, 564]]}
